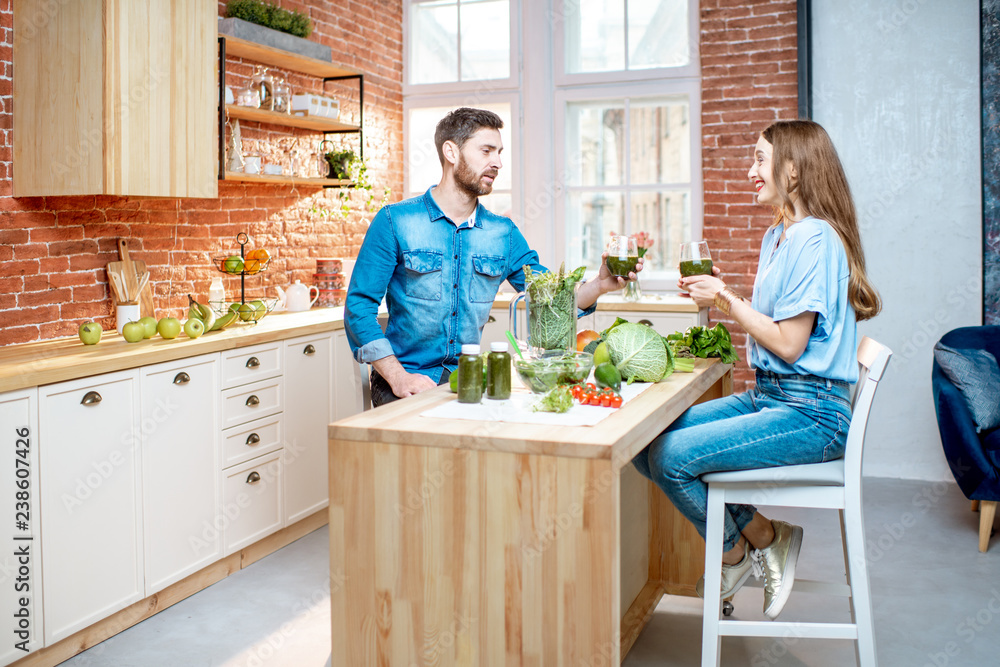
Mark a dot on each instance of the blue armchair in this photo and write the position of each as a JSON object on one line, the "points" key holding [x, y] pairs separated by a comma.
{"points": [[974, 458]]}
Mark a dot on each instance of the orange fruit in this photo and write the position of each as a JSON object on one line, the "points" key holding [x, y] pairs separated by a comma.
{"points": [[256, 260]]}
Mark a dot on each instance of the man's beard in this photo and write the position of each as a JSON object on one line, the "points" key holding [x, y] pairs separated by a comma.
{"points": [[469, 181]]}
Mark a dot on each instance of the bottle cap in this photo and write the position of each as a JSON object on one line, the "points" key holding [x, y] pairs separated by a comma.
{"points": [[470, 348], [498, 346]]}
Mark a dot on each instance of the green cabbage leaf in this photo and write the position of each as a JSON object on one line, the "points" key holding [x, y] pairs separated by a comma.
{"points": [[638, 352]]}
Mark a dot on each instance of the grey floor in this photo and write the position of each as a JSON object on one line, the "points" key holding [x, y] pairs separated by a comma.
{"points": [[936, 601]]}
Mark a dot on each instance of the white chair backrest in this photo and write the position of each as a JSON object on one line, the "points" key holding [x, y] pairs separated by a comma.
{"points": [[873, 357]]}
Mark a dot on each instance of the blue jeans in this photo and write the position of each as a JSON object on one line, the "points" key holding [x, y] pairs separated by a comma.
{"points": [[785, 420]]}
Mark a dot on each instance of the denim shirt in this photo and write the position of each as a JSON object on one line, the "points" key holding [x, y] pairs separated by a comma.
{"points": [[439, 281]]}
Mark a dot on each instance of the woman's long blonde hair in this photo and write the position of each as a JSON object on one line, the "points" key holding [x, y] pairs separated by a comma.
{"points": [[822, 190]]}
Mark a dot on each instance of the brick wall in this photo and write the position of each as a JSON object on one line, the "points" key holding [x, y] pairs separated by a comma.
{"points": [[54, 250], [749, 79]]}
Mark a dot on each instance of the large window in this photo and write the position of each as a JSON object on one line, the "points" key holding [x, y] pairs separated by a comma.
{"points": [[458, 40], [628, 170], [621, 35], [602, 104]]}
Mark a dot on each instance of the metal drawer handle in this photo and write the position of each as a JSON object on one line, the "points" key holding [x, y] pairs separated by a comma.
{"points": [[309, 350], [253, 362], [253, 477], [646, 322], [182, 378], [91, 398], [253, 439], [253, 400]]}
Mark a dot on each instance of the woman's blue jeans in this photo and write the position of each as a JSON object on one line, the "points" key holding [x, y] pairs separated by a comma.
{"points": [[785, 420]]}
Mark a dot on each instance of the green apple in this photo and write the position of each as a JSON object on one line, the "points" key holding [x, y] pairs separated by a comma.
{"points": [[149, 323], [246, 311], [194, 328], [233, 264], [168, 327], [133, 332], [90, 332], [259, 308]]}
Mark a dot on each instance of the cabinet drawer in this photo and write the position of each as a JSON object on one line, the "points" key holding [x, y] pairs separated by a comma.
{"points": [[252, 401], [252, 500], [248, 364], [255, 438]]}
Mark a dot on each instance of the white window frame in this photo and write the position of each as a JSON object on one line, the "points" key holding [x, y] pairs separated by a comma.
{"points": [[562, 78], [689, 88], [463, 87]]}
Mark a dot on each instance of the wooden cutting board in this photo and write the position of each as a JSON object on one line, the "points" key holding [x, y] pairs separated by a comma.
{"points": [[130, 270]]}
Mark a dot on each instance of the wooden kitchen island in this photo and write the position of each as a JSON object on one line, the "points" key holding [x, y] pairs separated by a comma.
{"points": [[459, 542]]}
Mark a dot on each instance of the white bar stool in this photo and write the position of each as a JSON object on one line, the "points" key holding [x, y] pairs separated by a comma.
{"points": [[830, 485]]}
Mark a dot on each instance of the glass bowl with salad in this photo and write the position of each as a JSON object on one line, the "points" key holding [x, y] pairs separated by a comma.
{"points": [[549, 369]]}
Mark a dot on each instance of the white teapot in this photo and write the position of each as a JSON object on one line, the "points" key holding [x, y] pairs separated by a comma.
{"points": [[298, 297]]}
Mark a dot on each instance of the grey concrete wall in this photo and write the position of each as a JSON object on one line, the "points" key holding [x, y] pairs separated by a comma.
{"points": [[896, 84]]}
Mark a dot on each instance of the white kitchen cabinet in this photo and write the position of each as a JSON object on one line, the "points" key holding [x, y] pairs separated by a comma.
{"points": [[347, 392], [89, 493], [251, 497], [20, 566], [308, 410], [251, 413], [181, 452]]}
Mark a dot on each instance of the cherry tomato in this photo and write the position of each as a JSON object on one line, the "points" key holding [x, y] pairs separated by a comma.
{"points": [[605, 401], [616, 401], [591, 386], [576, 391]]}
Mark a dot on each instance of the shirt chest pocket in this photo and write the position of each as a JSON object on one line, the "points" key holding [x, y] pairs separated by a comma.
{"points": [[424, 277], [487, 274]]}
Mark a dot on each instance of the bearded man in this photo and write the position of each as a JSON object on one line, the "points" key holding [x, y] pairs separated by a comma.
{"points": [[438, 260]]}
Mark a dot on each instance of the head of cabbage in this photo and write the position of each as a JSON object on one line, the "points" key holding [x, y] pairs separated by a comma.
{"points": [[639, 353]]}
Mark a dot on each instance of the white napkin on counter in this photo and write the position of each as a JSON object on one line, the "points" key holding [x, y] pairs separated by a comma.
{"points": [[518, 409]]}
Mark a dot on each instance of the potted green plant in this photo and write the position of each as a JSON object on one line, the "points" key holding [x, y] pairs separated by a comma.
{"points": [[342, 163]]}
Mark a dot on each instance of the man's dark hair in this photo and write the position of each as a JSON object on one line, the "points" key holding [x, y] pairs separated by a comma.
{"points": [[461, 124]]}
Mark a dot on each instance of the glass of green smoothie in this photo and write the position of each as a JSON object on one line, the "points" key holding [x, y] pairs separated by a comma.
{"points": [[696, 260], [623, 255]]}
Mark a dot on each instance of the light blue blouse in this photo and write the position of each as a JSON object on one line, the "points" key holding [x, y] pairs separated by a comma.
{"points": [[807, 272]]}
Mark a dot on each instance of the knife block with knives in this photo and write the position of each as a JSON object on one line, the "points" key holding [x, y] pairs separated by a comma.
{"points": [[129, 281]]}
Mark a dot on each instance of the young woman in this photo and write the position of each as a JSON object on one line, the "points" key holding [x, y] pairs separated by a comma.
{"points": [[809, 292]]}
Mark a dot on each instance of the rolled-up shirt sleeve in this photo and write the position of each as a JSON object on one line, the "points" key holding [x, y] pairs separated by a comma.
{"points": [[376, 262]]}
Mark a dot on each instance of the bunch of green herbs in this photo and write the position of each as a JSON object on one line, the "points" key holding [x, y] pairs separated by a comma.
{"points": [[552, 325], [704, 342], [557, 399]]}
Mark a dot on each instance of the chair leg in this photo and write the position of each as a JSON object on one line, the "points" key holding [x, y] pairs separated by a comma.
{"points": [[861, 599], [987, 510], [711, 642], [975, 505]]}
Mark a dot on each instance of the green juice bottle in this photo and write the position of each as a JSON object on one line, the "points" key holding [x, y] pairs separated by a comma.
{"points": [[498, 372], [470, 375]]}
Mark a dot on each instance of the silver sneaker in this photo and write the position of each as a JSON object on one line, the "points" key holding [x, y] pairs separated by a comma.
{"points": [[779, 560], [734, 576]]}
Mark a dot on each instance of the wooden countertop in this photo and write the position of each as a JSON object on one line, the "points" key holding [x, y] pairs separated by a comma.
{"points": [[650, 303], [60, 359], [619, 437]]}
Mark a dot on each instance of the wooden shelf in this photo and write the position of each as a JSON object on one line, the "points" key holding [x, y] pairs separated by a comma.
{"points": [[287, 180], [277, 58], [308, 122]]}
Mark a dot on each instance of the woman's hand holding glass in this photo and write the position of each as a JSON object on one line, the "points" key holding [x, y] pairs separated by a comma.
{"points": [[699, 275]]}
